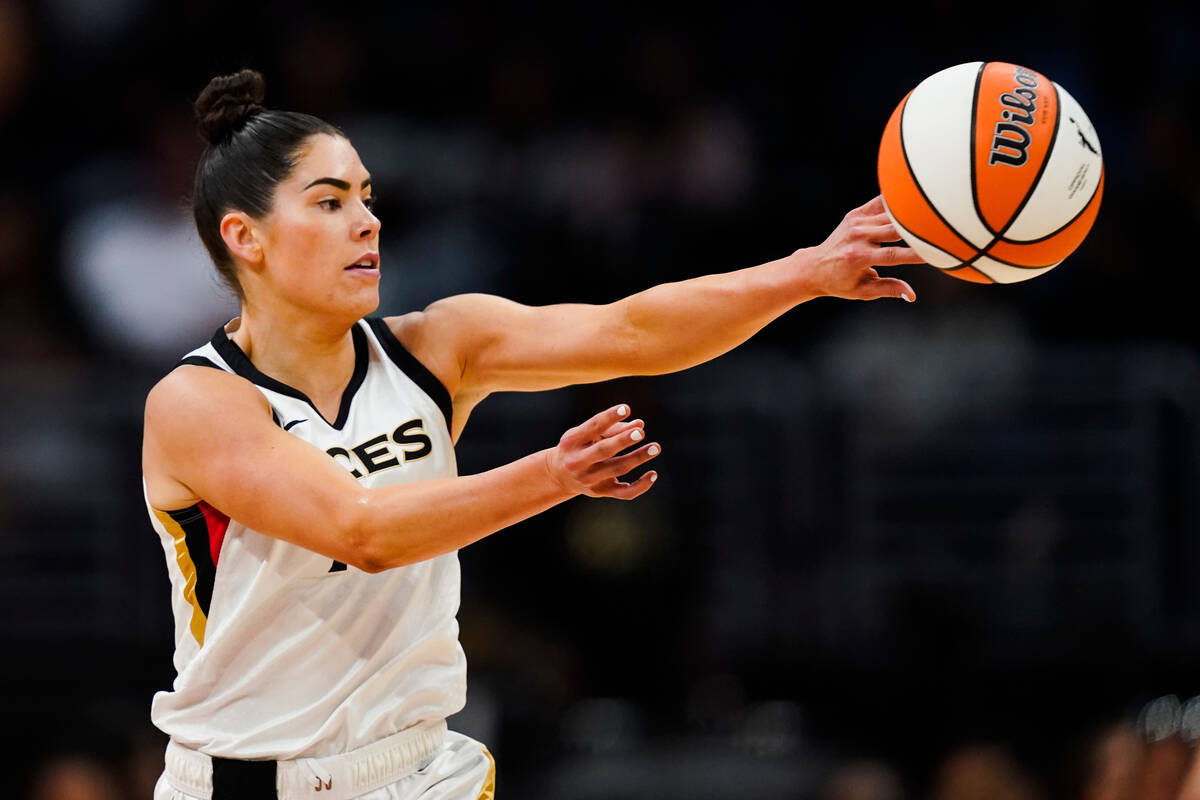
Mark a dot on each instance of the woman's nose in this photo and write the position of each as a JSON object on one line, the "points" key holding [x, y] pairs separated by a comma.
{"points": [[369, 225]]}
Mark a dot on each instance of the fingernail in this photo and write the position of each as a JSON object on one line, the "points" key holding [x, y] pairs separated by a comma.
{"points": [[622, 410], [636, 435], [653, 450], [653, 477], [908, 297]]}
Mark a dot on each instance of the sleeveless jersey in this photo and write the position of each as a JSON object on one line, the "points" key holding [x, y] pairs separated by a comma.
{"points": [[281, 652]]}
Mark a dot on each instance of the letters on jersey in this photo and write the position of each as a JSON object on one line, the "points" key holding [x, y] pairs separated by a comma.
{"points": [[407, 442]]}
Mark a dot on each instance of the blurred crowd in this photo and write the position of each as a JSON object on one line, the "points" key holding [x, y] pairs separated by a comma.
{"points": [[580, 154]]}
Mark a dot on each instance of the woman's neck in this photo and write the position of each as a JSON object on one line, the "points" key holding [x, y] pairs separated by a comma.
{"points": [[312, 355]]}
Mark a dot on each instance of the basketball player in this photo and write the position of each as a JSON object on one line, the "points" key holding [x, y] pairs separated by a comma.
{"points": [[299, 467]]}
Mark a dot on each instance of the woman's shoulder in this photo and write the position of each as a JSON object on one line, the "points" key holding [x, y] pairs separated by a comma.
{"points": [[192, 393], [192, 412]]}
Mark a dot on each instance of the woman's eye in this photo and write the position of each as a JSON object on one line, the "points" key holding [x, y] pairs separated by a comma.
{"points": [[330, 204], [369, 202]]}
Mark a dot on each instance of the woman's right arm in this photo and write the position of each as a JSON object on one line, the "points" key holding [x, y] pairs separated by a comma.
{"points": [[209, 436]]}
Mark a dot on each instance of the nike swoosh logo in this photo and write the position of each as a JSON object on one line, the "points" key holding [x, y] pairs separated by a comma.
{"points": [[294, 422]]}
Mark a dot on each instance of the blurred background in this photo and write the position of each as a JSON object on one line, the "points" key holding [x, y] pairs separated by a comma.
{"points": [[941, 550]]}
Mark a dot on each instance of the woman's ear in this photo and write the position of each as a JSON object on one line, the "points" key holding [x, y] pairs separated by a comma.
{"points": [[237, 229]]}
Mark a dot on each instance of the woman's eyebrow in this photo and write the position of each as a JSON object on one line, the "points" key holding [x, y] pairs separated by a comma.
{"points": [[337, 183]]}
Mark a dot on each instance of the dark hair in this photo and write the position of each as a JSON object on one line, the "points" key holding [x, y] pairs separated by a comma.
{"points": [[251, 149]]}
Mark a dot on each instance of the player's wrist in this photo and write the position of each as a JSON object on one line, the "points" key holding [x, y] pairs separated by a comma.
{"points": [[803, 271], [555, 477]]}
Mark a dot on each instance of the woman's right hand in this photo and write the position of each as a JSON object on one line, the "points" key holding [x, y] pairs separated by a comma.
{"points": [[586, 460]]}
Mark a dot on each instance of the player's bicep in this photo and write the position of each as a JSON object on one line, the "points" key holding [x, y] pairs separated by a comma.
{"points": [[212, 434]]}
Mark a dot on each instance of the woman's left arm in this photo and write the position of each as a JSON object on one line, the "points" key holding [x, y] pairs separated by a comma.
{"points": [[500, 345]]}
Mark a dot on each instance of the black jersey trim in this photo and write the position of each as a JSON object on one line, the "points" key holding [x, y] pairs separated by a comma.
{"points": [[197, 361], [413, 368], [201, 361], [242, 365]]}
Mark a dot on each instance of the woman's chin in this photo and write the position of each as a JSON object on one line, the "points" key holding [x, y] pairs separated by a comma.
{"points": [[368, 303], [352, 306]]}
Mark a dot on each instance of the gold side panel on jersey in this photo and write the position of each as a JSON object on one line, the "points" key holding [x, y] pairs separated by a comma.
{"points": [[488, 792], [189, 573]]}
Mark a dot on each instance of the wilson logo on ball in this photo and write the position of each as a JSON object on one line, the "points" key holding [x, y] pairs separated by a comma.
{"points": [[1010, 144]]}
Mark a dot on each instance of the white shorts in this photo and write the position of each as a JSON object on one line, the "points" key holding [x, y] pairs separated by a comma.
{"points": [[460, 769]]}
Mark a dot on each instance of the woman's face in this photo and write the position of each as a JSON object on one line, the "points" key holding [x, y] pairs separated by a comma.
{"points": [[320, 241]]}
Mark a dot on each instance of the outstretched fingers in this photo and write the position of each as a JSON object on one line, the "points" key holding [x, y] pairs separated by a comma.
{"points": [[595, 428], [617, 466], [627, 491], [617, 427], [879, 229], [591, 457], [872, 206], [875, 288], [609, 463], [609, 446], [879, 232], [891, 256]]}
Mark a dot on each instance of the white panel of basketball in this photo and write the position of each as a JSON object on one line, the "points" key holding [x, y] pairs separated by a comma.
{"points": [[935, 256], [938, 142], [1069, 179], [1003, 273]]}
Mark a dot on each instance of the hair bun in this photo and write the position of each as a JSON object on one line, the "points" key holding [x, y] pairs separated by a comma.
{"points": [[227, 102]]}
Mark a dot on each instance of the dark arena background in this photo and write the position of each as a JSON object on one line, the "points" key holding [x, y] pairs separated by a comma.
{"points": [[944, 550]]}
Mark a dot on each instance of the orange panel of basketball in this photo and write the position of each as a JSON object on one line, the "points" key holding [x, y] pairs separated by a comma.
{"points": [[991, 172]]}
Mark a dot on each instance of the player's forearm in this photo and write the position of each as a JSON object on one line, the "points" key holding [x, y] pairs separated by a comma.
{"points": [[399, 525], [674, 326]]}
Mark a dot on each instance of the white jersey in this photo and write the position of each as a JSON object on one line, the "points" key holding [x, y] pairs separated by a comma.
{"points": [[282, 653]]}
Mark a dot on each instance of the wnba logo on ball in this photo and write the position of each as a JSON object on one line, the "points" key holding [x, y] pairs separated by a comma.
{"points": [[1010, 144]]}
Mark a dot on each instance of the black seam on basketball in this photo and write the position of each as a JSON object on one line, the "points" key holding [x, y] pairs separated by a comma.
{"points": [[999, 237], [926, 241], [971, 147], [1066, 225], [912, 174], [969, 262], [1041, 169], [966, 266], [1011, 264], [985, 252]]}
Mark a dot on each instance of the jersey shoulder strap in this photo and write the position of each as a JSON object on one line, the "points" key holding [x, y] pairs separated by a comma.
{"points": [[207, 355], [196, 361], [410, 366]]}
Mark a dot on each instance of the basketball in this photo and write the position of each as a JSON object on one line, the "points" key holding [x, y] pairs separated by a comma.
{"points": [[991, 172]]}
